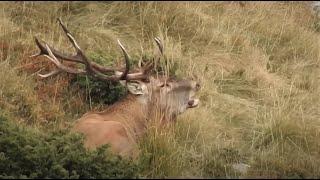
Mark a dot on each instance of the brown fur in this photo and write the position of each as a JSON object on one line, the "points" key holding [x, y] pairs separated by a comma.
{"points": [[116, 125]]}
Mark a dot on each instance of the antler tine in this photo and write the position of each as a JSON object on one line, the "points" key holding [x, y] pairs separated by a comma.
{"points": [[72, 58], [42, 49], [52, 73], [88, 64], [127, 59], [76, 46], [94, 72], [59, 65], [63, 26], [159, 43]]}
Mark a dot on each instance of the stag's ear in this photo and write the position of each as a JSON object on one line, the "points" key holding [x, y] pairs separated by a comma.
{"points": [[134, 87]]}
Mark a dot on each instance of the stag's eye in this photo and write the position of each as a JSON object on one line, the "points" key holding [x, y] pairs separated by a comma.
{"points": [[162, 85], [165, 85]]}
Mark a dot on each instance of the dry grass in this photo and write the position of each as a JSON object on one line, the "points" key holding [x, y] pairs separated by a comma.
{"points": [[258, 66]]}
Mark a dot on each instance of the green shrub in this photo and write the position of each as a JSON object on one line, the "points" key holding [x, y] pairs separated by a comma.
{"points": [[98, 91], [28, 153]]}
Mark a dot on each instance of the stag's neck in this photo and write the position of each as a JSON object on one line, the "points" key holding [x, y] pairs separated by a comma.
{"points": [[135, 112], [132, 111], [128, 105]]}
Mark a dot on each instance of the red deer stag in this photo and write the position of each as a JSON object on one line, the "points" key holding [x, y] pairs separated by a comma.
{"points": [[121, 124]]}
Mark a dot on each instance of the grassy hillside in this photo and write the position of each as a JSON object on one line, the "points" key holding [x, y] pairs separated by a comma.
{"points": [[258, 65]]}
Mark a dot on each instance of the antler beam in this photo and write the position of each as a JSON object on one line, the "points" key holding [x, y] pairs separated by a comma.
{"points": [[91, 68]]}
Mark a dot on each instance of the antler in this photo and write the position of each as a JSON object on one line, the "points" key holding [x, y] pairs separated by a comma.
{"points": [[91, 68], [159, 43]]}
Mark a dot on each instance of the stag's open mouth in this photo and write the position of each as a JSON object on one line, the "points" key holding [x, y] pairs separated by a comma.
{"points": [[193, 103]]}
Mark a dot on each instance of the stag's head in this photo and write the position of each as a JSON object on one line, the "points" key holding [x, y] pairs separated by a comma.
{"points": [[169, 94]]}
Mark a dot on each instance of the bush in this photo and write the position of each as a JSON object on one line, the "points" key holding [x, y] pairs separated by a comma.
{"points": [[28, 153], [98, 91]]}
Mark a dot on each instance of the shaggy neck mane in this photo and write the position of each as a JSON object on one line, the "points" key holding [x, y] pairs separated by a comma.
{"points": [[131, 112], [135, 114]]}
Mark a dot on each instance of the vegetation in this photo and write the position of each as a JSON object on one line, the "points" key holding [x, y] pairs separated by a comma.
{"points": [[28, 153], [258, 65]]}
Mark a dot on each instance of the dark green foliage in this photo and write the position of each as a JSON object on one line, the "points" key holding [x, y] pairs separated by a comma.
{"points": [[27, 153], [97, 91], [100, 92]]}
